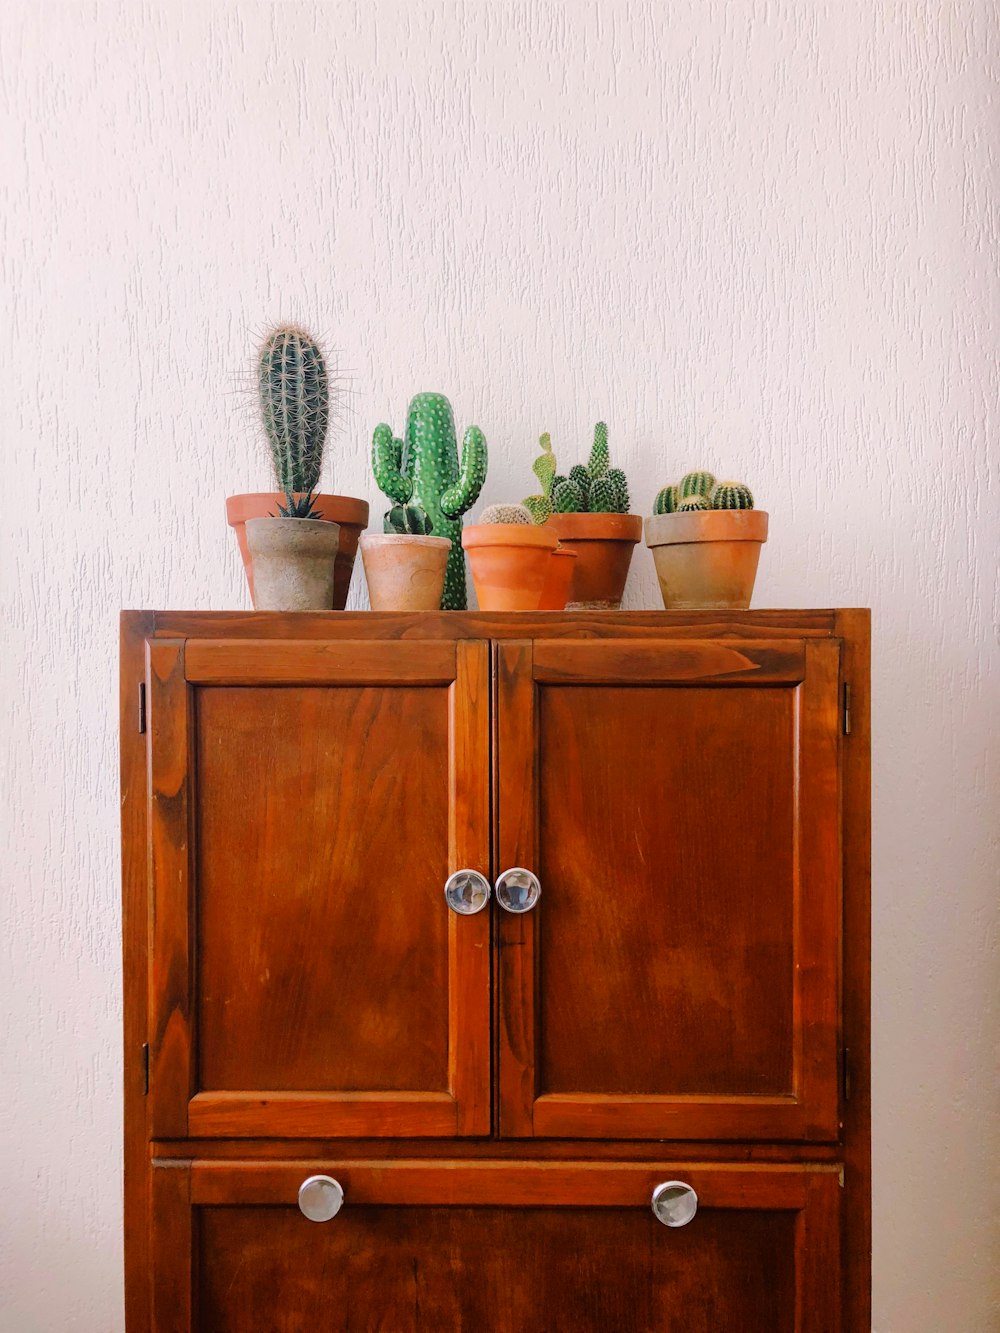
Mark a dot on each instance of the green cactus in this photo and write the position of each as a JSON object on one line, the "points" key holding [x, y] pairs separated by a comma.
{"points": [[566, 498], [294, 406], [407, 520], [426, 469], [298, 506], [693, 504], [517, 514], [544, 468], [696, 483], [666, 500], [597, 464], [732, 495], [538, 506]]}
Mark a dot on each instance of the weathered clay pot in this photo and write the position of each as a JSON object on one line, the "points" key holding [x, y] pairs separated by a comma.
{"points": [[294, 563], [707, 560], [559, 579], [510, 563], [604, 544], [405, 571], [345, 510]]}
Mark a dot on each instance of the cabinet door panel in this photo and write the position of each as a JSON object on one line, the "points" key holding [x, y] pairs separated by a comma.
{"points": [[308, 802], [680, 804], [494, 1247]]}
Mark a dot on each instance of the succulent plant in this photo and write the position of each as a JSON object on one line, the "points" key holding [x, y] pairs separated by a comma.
{"points": [[693, 504], [407, 520], [732, 495], [294, 406], [567, 499], [506, 514], [594, 488], [298, 506], [544, 468], [426, 468], [696, 483], [597, 464], [666, 500]]}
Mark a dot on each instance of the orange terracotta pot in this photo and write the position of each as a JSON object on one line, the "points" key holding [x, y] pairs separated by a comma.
{"points": [[510, 564], [405, 571], [559, 580], [707, 560], [351, 514], [604, 544]]}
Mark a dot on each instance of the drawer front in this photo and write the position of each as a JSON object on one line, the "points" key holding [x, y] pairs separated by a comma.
{"points": [[507, 1247]]}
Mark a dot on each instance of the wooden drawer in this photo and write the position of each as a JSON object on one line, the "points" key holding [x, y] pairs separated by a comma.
{"points": [[493, 1247]]}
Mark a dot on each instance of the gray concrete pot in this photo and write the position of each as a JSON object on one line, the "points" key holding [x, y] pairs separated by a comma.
{"points": [[293, 563]]}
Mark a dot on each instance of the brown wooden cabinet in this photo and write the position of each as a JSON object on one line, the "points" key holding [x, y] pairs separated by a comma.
{"points": [[496, 1094]]}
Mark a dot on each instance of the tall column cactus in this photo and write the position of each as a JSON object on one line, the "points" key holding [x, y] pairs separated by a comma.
{"points": [[425, 468], [294, 406]]}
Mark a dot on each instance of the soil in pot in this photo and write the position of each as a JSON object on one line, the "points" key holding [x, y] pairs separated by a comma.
{"points": [[349, 513], [559, 579], [294, 563], [510, 563], [405, 571], [603, 544], [707, 560]]}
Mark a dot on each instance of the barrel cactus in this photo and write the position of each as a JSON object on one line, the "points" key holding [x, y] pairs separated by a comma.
{"points": [[294, 406], [732, 495], [425, 468], [666, 500], [407, 520], [693, 504], [518, 514], [696, 483]]}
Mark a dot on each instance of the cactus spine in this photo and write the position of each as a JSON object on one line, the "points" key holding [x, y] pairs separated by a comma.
{"points": [[692, 504], [732, 495], [666, 500], [407, 520], [426, 468], [518, 514], [597, 464], [294, 406], [696, 483]]}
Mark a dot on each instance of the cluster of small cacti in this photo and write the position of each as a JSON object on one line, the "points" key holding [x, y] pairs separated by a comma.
{"points": [[298, 506], [698, 491], [294, 406], [506, 514], [407, 520], [425, 468], [592, 489]]}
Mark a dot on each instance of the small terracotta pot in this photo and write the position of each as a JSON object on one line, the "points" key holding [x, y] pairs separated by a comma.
{"points": [[345, 510], [559, 580], [604, 544], [405, 571], [707, 560], [294, 562], [510, 564]]}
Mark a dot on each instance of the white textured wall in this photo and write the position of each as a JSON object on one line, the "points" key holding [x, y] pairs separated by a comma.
{"points": [[759, 235]]}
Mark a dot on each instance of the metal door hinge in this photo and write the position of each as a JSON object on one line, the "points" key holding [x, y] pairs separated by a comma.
{"points": [[142, 707], [847, 709], [845, 1073], [145, 1068]]}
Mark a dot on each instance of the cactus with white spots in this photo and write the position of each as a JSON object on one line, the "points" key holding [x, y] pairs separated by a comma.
{"points": [[425, 468]]}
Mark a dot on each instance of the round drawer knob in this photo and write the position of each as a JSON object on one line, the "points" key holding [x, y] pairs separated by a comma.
{"points": [[518, 890], [320, 1198], [674, 1203], [467, 892]]}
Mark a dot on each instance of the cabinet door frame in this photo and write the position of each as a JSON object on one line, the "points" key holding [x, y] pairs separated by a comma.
{"points": [[174, 669], [180, 1188], [810, 1113]]}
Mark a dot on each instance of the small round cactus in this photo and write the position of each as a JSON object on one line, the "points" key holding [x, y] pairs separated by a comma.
{"points": [[696, 483], [407, 520], [506, 514], [732, 495], [693, 504], [666, 500]]}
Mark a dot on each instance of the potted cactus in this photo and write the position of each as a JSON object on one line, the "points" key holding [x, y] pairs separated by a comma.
{"points": [[511, 558], [424, 469], [706, 538], [405, 564], [293, 397], [588, 511], [294, 554]]}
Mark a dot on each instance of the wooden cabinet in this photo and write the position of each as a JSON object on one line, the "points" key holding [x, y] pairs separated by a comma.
{"points": [[497, 1094]]}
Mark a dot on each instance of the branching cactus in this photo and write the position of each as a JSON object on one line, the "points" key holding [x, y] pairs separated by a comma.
{"points": [[666, 500], [425, 468], [407, 520], [294, 406], [732, 495], [518, 514]]}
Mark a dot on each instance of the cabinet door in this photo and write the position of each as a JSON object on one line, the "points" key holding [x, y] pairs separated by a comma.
{"points": [[308, 800], [493, 1247], [679, 803]]}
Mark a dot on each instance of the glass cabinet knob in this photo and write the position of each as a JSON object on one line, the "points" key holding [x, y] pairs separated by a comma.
{"points": [[518, 890], [320, 1198], [674, 1203], [467, 892]]}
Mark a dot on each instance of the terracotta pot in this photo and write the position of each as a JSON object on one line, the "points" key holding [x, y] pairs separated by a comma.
{"points": [[405, 571], [294, 563], [555, 594], [604, 544], [345, 510], [510, 563], [707, 560]]}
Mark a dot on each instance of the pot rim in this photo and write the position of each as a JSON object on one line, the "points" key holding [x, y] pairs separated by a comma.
{"points": [[596, 527], [508, 534], [353, 512], [710, 525], [410, 538]]}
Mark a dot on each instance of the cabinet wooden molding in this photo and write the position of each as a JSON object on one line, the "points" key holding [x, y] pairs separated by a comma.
{"points": [[297, 791]]}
